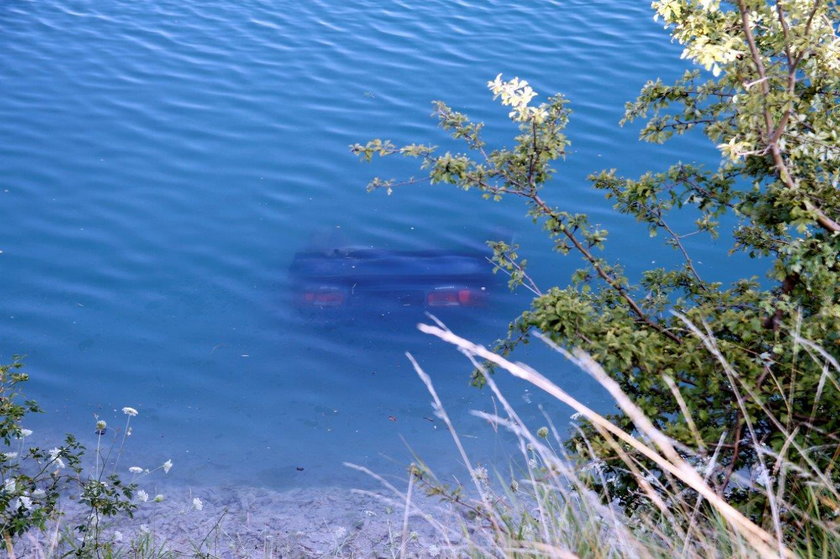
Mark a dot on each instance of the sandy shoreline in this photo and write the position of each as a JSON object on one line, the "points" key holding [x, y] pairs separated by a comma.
{"points": [[240, 522]]}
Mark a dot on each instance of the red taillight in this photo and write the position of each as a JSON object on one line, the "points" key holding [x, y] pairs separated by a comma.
{"points": [[467, 297], [455, 298], [443, 298], [324, 298]]}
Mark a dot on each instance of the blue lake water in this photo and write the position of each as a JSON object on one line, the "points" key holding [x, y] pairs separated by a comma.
{"points": [[162, 161]]}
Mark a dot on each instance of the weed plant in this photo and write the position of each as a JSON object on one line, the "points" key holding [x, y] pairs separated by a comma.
{"points": [[546, 507], [36, 483]]}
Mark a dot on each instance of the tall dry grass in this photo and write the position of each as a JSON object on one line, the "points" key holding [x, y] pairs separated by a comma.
{"points": [[549, 510]]}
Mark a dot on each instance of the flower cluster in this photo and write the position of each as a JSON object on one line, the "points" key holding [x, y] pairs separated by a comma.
{"points": [[517, 94]]}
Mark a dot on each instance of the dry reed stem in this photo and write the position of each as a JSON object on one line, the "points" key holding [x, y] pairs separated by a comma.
{"points": [[709, 341], [400, 499], [732, 376], [515, 418], [586, 497], [672, 386], [812, 347], [10, 547], [548, 456], [441, 412], [404, 542], [763, 542], [710, 468]]}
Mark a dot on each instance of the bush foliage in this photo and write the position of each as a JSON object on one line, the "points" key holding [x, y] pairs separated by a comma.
{"points": [[740, 371]]}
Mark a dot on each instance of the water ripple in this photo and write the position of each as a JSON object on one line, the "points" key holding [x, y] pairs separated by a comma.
{"points": [[164, 160]]}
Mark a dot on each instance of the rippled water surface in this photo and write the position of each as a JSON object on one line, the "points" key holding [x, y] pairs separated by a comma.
{"points": [[162, 161]]}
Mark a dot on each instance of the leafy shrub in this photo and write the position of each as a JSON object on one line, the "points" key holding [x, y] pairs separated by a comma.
{"points": [[744, 373]]}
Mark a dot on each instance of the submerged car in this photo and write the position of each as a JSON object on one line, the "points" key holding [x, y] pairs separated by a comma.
{"points": [[380, 280]]}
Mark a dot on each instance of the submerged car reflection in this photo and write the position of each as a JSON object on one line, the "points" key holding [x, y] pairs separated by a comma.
{"points": [[329, 282]]}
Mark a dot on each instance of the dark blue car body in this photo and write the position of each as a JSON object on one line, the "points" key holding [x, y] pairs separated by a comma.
{"points": [[352, 281]]}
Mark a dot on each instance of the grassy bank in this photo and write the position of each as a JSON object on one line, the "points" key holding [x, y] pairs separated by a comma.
{"points": [[547, 508], [552, 502]]}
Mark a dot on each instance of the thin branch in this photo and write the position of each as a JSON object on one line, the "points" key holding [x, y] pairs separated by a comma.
{"points": [[736, 448], [612, 282], [588, 256], [677, 122], [689, 262], [811, 19], [530, 285], [773, 133], [656, 217], [706, 193], [757, 61], [780, 12], [533, 156]]}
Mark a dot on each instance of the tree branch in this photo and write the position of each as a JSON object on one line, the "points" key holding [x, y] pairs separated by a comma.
{"points": [[772, 132], [589, 257], [677, 240]]}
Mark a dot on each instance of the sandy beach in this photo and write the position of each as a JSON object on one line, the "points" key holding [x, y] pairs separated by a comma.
{"points": [[245, 522]]}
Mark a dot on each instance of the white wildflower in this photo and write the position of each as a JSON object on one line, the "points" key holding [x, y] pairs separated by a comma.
{"points": [[9, 485], [167, 466], [129, 411], [159, 498], [118, 536], [55, 457], [136, 470], [10, 455], [142, 496], [481, 474], [39, 493], [144, 528], [197, 504], [25, 433], [24, 503]]}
